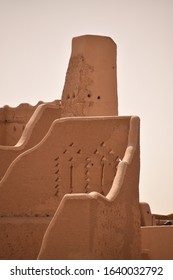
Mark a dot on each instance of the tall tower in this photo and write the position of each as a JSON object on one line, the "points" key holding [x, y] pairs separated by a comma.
{"points": [[91, 81]]}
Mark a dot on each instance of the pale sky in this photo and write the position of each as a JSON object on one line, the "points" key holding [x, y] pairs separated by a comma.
{"points": [[35, 46]]}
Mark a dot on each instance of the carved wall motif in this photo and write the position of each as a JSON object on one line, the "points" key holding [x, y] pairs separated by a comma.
{"points": [[94, 171]]}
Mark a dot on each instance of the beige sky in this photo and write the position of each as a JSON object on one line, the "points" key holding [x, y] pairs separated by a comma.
{"points": [[35, 45]]}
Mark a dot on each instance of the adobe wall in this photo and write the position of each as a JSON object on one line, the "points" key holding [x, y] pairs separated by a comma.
{"points": [[13, 122], [162, 219], [42, 175], [147, 218], [157, 242], [93, 226], [122, 216], [77, 155], [91, 81], [34, 132]]}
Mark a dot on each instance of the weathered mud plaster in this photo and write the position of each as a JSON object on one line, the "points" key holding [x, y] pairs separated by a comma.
{"points": [[91, 80]]}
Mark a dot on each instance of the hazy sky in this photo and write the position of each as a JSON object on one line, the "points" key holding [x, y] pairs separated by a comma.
{"points": [[35, 45]]}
